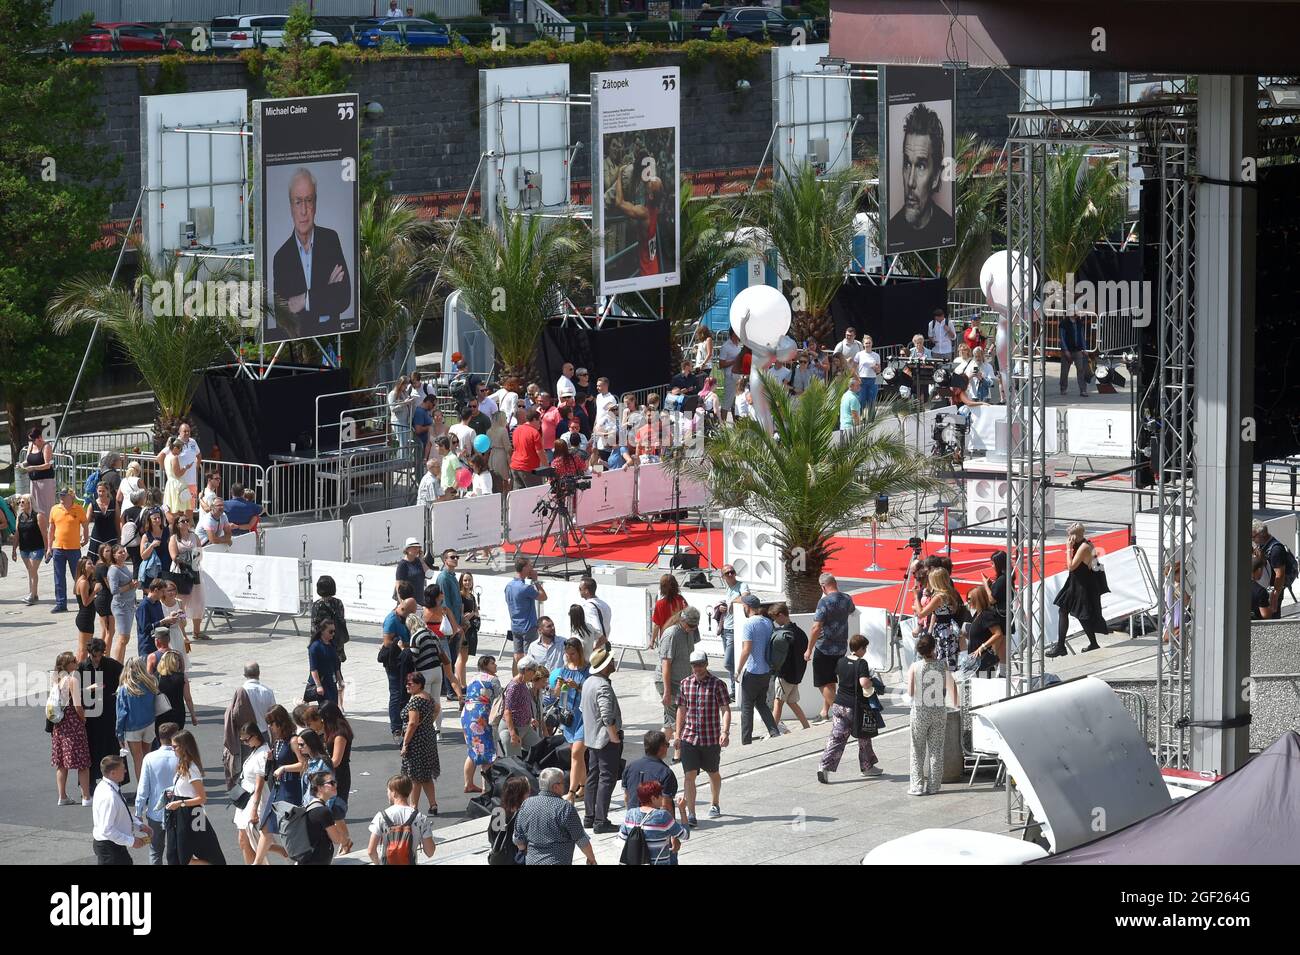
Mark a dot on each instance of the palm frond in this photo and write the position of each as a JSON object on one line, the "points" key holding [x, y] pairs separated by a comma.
{"points": [[978, 200], [169, 345], [511, 280], [1085, 202]]}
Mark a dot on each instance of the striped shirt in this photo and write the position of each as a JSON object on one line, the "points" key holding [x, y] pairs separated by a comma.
{"points": [[550, 830], [425, 645], [660, 829], [703, 702]]}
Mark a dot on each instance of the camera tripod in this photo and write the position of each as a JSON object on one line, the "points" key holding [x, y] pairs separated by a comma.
{"points": [[559, 510]]}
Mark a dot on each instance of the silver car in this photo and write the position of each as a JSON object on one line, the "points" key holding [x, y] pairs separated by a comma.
{"points": [[249, 32]]}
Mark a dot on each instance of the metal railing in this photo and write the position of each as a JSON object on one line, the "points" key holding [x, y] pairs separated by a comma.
{"points": [[1135, 704], [378, 478], [1278, 483], [301, 489], [249, 476]]}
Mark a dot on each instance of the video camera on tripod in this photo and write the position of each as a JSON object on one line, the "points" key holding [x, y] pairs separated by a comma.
{"points": [[563, 488], [949, 435]]}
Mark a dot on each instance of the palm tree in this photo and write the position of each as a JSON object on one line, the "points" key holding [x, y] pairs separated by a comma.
{"points": [[978, 200], [802, 481], [173, 322], [810, 220], [511, 281], [710, 248], [395, 261], [1085, 202]]}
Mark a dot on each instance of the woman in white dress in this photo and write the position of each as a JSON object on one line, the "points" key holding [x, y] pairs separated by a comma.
{"points": [[252, 780], [177, 498], [702, 349]]}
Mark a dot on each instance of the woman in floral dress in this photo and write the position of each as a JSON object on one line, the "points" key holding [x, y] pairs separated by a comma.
{"points": [[479, 697], [69, 744], [420, 742]]}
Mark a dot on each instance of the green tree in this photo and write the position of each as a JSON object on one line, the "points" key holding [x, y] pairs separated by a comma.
{"points": [[803, 481], [1085, 202], [170, 346], [978, 197], [299, 69], [810, 220], [511, 281], [710, 248], [395, 264], [55, 197]]}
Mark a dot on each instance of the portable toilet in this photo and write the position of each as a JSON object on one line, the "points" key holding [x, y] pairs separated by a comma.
{"points": [[760, 269], [866, 254]]}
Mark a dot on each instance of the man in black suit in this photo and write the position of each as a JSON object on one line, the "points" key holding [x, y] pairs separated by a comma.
{"points": [[921, 224], [312, 286]]}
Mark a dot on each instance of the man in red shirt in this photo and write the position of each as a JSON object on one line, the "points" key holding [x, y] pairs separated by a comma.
{"points": [[527, 455], [971, 336], [552, 415]]}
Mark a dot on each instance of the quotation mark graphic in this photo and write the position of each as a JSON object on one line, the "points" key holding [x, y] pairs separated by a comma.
{"points": [[669, 81]]}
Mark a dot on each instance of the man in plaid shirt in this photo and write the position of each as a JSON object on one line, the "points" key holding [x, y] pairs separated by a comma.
{"points": [[703, 728]]}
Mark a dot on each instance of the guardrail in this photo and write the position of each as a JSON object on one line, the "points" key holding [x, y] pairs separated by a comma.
{"points": [[302, 489], [1135, 704], [378, 478], [1278, 483]]}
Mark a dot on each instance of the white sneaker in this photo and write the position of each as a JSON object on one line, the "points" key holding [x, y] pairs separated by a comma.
{"points": [[782, 729], [86, 802]]}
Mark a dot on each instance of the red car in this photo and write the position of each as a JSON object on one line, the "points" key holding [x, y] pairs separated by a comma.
{"points": [[128, 37]]}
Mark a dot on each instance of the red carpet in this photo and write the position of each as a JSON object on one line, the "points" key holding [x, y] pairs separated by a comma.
{"points": [[640, 544]]}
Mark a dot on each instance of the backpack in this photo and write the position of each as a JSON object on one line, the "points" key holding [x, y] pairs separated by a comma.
{"points": [[54, 708], [292, 822], [778, 650], [91, 487], [396, 841], [636, 851], [130, 535], [1288, 562]]}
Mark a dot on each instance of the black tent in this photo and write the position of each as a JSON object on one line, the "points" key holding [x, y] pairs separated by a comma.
{"points": [[1251, 817]]}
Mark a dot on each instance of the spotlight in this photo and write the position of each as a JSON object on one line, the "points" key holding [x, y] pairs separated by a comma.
{"points": [[904, 392], [941, 376], [1109, 374], [889, 376]]}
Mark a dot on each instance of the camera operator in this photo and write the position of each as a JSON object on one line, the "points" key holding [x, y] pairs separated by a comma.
{"points": [[565, 463]]}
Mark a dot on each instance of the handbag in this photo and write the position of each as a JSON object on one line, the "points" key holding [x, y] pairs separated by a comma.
{"points": [[162, 705], [240, 801], [1103, 587]]}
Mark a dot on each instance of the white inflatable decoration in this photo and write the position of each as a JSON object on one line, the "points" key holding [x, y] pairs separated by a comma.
{"points": [[760, 317], [993, 280]]}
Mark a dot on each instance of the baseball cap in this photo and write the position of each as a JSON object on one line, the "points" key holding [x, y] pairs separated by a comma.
{"points": [[752, 602], [699, 656]]}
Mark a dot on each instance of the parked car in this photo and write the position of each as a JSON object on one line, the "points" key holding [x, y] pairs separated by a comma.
{"points": [[751, 23], [703, 25], [408, 31], [128, 37], [246, 32]]}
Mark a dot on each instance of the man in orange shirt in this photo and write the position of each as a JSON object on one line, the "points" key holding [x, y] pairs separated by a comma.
{"points": [[67, 538], [527, 454]]}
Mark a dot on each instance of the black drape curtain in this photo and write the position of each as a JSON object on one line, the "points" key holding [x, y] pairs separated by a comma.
{"points": [[891, 313], [632, 356]]}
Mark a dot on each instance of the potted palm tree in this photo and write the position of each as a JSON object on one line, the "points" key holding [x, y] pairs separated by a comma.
{"points": [[710, 248], [511, 280], [394, 297], [802, 480], [810, 221], [170, 323]]}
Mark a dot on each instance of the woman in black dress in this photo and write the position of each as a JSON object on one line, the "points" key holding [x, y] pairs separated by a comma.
{"points": [[171, 684], [191, 840], [84, 590], [420, 742], [325, 607], [104, 594], [104, 519], [1081, 596]]}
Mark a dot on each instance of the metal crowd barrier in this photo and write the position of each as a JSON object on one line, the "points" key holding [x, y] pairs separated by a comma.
{"points": [[303, 489], [1276, 483], [250, 476], [1135, 704], [378, 478]]}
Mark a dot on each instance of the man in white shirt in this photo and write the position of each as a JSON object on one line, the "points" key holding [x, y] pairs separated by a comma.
{"points": [[564, 386], [781, 372], [604, 400], [942, 333], [115, 828], [507, 400], [430, 486], [260, 696], [546, 649], [464, 432], [596, 614], [848, 349], [486, 404], [867, 365], [214, 528]]}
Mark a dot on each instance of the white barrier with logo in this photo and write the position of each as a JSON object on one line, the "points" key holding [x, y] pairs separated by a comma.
{"points": [[466, 523], [318, 541], [1099, 431], [377, 538], [251, 583], [610, 497], [522, 523], [366, 590], [243, 544], [654, 491]]}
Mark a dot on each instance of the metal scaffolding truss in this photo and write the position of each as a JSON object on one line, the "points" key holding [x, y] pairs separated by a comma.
{"points": [[1163, 134]]}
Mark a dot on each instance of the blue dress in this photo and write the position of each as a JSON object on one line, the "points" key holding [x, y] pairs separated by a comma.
{"points": [[571, 698], [479, 697], [288, 789]]}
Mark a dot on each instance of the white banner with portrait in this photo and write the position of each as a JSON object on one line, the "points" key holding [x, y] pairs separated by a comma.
{"points": [[465, 523], [365, 589], [250, 583], [318, 541], [378, 538]]}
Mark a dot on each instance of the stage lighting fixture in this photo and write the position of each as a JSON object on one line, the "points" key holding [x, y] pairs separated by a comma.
{"points": [[1284, 95], [1110, 374], [941, 375], [889, 376], [904, 392]]}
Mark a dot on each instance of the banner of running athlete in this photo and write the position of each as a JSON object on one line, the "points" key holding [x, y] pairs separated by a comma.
{"points": [[636, 129]]}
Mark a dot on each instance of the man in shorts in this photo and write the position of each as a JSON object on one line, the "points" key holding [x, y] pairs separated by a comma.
{"points": [[703, 728], [522, 595], [675, 647], [829, 640], [792, 670]]}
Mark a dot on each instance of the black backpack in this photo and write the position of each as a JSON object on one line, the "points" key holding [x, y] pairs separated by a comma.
{"points": [[1290, 569], [636, 851]]}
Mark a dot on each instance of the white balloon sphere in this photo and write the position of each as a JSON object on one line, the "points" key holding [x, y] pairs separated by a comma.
{"points": [[760, 316], [993, 279]]}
